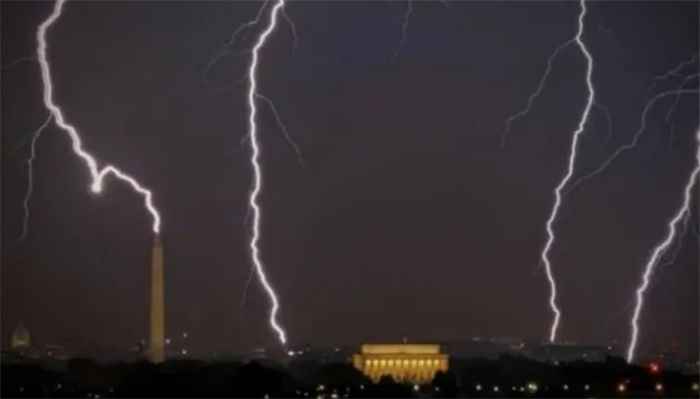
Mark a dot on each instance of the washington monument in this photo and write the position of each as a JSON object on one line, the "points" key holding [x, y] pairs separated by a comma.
{"points": [[156, 349]]}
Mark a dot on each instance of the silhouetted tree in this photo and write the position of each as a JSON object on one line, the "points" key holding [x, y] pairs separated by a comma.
{"points": [[444, 385]]}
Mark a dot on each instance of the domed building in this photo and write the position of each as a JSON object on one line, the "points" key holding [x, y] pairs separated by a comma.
{"points": [[20, 338]]}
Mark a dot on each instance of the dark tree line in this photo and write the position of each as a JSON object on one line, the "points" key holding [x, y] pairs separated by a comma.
{"points": [[505, 377]]}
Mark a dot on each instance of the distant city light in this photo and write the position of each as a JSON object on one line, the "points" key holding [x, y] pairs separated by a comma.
{"points": [[659, 387], [320, 388], [532, 387], [695, 386], [495, 389], [290, 353], [363, 387], [566, 387], [416, 388], [478, 387], [334, 396], [184, 351], [621, 388], [167, 341], [184, 335], [586, 387]]}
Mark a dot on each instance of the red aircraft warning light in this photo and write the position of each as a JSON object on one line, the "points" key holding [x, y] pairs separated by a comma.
{"points": [[654, 368]]}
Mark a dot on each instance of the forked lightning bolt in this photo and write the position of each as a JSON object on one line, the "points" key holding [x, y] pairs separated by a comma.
{"points": [[98, 175], [569, 173], [669, 261], [536, 93], [673, 73], [631, 144], [257, 172], [660, 249], [671, 129], [30, 180]]}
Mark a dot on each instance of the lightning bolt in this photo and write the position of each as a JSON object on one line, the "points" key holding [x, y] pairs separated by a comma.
{"points": [[675, 72], [633, 143], [17, 62], [404, 29], [567, 177], [608, 118], [669, 261], [224, 51], [98, 175], [660, 249], [536, 93], [295, 36], [672, 259], [30, 180], [667, 119], [282, 127], [257, 172]]}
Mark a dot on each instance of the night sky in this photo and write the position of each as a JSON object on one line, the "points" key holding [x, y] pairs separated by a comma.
{"points": [[407, 219]]}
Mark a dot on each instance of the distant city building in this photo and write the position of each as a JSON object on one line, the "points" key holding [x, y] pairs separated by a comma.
{"points": [[323, 354], [408, 363], [20, 338], [481, 349], [567, 352]]}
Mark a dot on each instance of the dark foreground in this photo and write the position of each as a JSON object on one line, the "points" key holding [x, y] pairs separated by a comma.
{"points": [[506, 377]]}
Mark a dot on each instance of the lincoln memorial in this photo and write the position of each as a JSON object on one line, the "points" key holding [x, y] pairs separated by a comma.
{"points": [[411, 363]]}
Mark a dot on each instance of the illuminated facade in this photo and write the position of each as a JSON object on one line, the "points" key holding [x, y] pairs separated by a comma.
{"points": [[408, 363], [20, 337]]}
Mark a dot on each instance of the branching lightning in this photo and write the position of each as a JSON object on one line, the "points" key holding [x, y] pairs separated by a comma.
{"points": [[674, 253], [295, 36], [224, 51], [536, 93], [282, 127], [667, 119], [30, 180], [608, 118], [404, 29], [673, 73], [257, 172], [669, 261], [660, 249], [569, 173], [633, 143], [98, 175], [17, 62]]}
